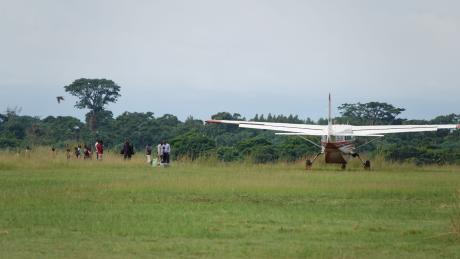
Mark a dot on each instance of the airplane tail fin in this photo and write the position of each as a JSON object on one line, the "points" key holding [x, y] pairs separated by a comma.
{"points": [[329, 118]]}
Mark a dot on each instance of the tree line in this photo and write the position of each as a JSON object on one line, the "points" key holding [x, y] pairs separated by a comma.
{"points": [[193, 138]]}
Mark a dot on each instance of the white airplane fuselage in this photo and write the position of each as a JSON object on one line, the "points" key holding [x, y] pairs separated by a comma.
{"points": [[340, 148]]}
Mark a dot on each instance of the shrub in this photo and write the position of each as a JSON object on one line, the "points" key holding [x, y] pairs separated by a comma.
{"points": [[264, 154], [228, 154], [191, 145]]}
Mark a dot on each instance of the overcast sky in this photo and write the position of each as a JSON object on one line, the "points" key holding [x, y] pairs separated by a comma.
{"points": [[249, 56]]}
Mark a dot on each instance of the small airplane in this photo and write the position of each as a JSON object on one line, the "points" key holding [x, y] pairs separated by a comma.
{"points": [[337, 140]]}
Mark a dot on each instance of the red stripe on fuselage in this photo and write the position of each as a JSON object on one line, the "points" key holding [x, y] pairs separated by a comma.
{"points": [[336, 144]]}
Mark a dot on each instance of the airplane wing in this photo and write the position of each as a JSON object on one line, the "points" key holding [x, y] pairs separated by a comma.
{"points": [[321, 130], [280, 128], [388, 129]]}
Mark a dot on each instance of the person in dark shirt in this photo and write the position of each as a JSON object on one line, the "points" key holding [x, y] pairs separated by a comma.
{"points": [[127, 150], [53, 152], [131, 149], [78, 151], [87, 152]]}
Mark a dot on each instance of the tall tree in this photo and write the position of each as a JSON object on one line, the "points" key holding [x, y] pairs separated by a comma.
{"points": [[93, 94], [373, 113]]}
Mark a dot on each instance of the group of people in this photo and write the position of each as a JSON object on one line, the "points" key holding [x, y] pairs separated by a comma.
{"points": [[163, 153], [87, 151]]}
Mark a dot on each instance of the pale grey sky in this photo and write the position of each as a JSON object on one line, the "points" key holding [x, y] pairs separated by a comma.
{"points": [[249, 56]]}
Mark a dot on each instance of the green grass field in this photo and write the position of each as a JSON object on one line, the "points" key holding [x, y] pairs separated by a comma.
{"points": [[51, 208]]}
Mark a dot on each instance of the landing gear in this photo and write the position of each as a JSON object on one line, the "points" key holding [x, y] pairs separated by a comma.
{"points": [[366, 164], [309, 163]]}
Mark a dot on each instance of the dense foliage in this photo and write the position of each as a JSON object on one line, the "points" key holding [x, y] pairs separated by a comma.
{"points": [[193, 139]]}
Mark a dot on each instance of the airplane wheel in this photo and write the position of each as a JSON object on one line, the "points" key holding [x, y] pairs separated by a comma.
{"points": [[367, 165], [344, 166], [308, 164]]}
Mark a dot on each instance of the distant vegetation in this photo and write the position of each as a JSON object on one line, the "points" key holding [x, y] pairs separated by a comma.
{"points": [[192, 138]]}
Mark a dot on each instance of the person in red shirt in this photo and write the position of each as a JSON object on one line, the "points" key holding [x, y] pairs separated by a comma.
{"points": [[99, 149]]}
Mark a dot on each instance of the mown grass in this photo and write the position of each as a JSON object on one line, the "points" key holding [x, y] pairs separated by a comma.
{"points": [[51, 207]]}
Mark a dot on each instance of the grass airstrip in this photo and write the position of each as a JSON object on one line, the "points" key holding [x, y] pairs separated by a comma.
{"points": [[53, 208]]}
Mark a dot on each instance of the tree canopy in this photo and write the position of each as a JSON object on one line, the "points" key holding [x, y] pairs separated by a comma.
{"points": [[372, 113], [93, 94]]}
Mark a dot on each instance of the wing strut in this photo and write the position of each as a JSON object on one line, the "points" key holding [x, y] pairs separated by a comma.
{"points": [[311, 142]]}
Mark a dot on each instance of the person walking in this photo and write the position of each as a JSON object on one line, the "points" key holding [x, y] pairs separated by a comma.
{"points": [[127, 150], [53, 152], [131, 149], [166, 152], [160, 153], [95, 148], [67, 152], [99, 149], [78, 151], [87, 152], [148, 153]]}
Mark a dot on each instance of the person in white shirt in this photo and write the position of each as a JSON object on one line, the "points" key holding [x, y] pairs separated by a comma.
{"points": [[160, 153], [95, 148]]}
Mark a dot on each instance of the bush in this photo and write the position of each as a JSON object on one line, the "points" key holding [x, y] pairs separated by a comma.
{"points": [[292, 149], [8, 142], [228, 154], [247, 146], [264, 154], [191, 145]]}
